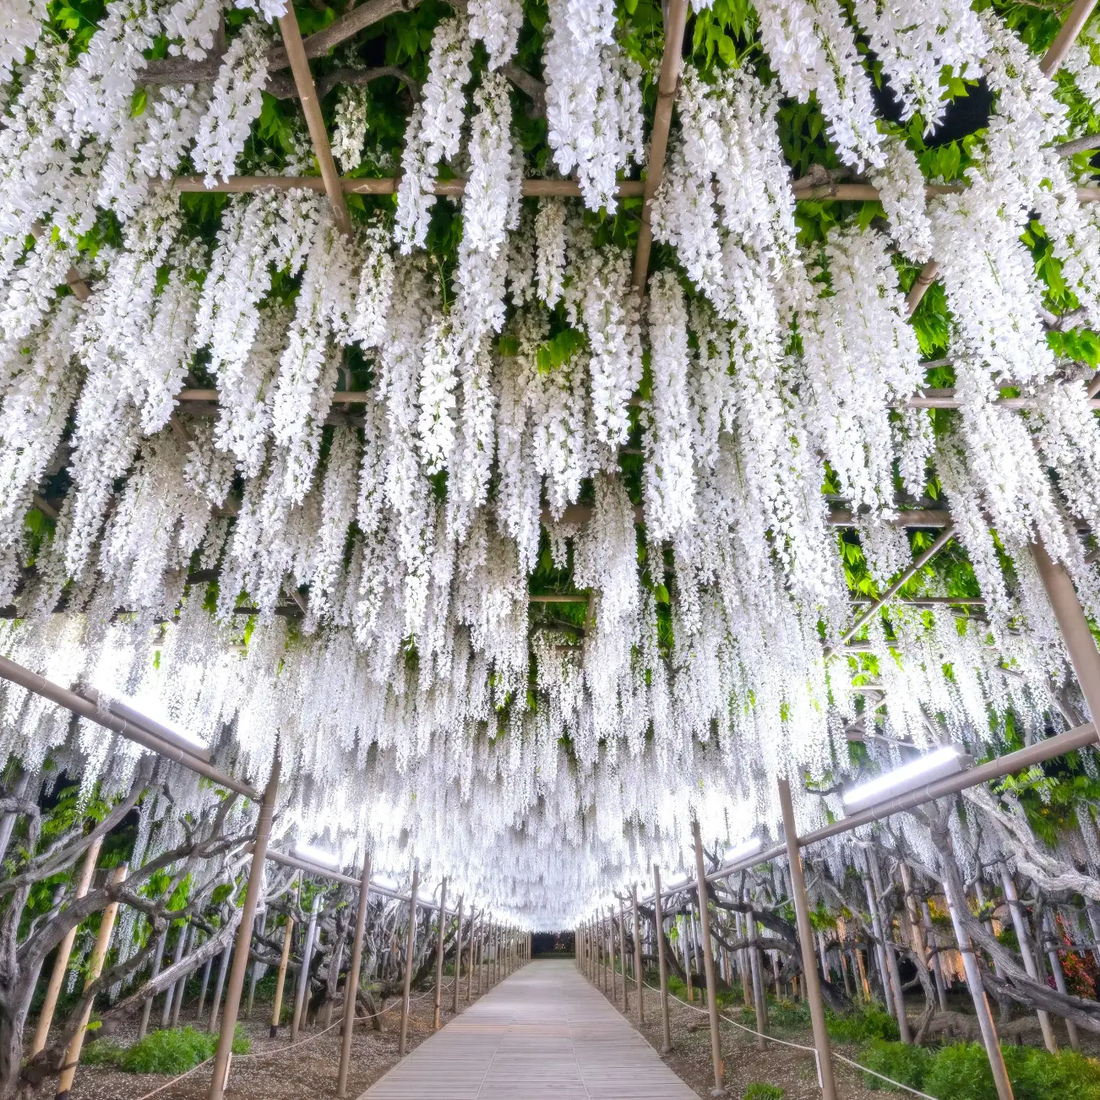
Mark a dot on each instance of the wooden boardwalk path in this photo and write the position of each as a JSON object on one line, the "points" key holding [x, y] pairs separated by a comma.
{"points": [[543, 1034]]}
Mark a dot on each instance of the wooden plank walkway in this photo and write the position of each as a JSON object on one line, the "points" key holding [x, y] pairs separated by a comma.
{"points": [[544, 1032]]}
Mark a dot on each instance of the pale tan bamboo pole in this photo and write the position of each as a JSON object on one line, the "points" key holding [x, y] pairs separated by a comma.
{"points": [[95, 968], [708, 963], [409, 950], [219, 986], [439, 955], [311, 108], [280, 982], [1054, 57], [254, 972], [480, 952], [986, 1025], [147, 1008], [623, 956], [1059, 977], [638, 972], [64, 951], [458, 958], [759, 994], [662, 969], [470, 962], [1023, 938], [806, 944], [669, 80], [351, 987], [611, 954], [220, 1077], [301, 994]]}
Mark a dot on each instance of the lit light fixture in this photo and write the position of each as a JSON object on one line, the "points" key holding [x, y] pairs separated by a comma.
{"points": [[739, 851], [925, 769], [316, 855]]}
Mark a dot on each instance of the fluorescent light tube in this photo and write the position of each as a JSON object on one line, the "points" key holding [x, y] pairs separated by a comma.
{"points": [[739, 851], [925, 769], [148, 713], [384, 882], [316, 855]]}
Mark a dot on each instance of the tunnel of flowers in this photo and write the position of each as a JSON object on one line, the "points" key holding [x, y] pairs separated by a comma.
{"points": [[460, 458]]}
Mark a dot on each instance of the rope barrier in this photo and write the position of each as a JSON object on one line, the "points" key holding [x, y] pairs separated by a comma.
{"points": [[797, 1046]]}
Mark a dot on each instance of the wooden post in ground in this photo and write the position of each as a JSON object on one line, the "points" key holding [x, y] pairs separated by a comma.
{"points": [[480, 952], [662, 970], [254, 972], [64, 951], [351, 986], [611, 954], [638, 972], [806, 943], [219, 986], [708, 963], [470, 964], [95, 966], [280, 981], [623, 956], [220, 1078], [1019, 923], [458, 958], [301, 995], [894, 974], [409, 950], [202, 989], [147, 1008], [986, 1025], [439, 954], [181, 985], [760, 997]]}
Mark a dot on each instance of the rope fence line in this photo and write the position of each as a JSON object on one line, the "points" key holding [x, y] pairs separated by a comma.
{"points": [[796, 1046], [279, 1051]]}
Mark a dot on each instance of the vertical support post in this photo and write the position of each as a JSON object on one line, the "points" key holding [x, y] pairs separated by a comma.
{"points": [[708, 962], [1080, 646], [662, 968], [806, 944], [409, 950], [203, 988], [254, 972], [439, 953], [147, 1008], [351, 987], [458, 959], [181, 985], [623, 956], [1059, 976], [277, 1007], [891, 955], [244, 935], [1019, 923], [95, 967], [219, 985], [760, 997], [64, 950], [470, 965], [301, 996], [611, 954], [638, 972], [988, 1029]]}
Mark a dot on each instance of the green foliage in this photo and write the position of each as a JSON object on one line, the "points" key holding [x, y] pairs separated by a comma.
{"points": [[789, 1014], [868, 1022], [759, 1090], [173, 1051], [901, 1062]]}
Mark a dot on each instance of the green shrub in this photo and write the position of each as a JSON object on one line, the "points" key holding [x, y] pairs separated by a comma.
{"points": [[961, 1072], [901, 1062], [103, 1052], [866, 1023], [789, 1014], [758, 1090], [171, 1052]]}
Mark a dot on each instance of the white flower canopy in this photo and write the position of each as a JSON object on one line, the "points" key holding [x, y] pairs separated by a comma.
{"points": [[519, 554]]}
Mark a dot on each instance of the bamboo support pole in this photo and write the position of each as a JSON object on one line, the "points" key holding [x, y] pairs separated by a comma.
{"points": [[219, 988], [805, 942], [1023, 937], [662, 969], [181, 985], [95, 968], [409, 952], [639, 973], [439, 956], [611, 954], [254, 972], [280, 981], [1060, 977], [890, 952], [170, 994], [623, 956], [351, 988], [458, 959], [301, 994], [708, 963], [311, 108], [667, 83], [147, 1008], [64, 951], [759, 994], [470, 962], [220, 1077], [986, 1025]]}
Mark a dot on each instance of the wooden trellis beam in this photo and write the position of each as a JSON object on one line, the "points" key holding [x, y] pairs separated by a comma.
{"points": [[667, 84], [311, 108]]}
